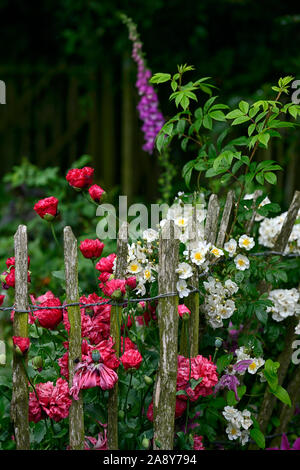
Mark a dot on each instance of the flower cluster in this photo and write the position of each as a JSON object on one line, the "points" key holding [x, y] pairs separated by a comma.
{"points": [[239, 423], [201, 370], [269, 230], [284, 303], [218, 304]]}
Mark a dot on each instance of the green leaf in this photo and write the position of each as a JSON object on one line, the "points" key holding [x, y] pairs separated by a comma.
{"points": [[240, 120], [194, 383], [59, 275], [208, 103], [258, 437], [234, 114], [39, 432], [160, 78], [174, 85], [244, 107], [282, 395], [207, 122], [181, 126], [217, 115], [251, 129], [223, 362], [270, 177], [264, 138]]}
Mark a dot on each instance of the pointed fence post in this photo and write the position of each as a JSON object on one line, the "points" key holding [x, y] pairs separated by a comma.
{"points": [[76, 420], [211, 223], [115, 327], [225, 219], [165, 387], [19, 403], [269, 400], [190, 348]]}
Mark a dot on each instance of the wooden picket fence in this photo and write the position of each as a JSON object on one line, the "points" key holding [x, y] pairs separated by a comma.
{"points": [[164, 396]]}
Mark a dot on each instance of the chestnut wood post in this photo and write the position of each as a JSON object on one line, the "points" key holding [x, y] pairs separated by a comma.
{"points": [[115, 326], [19, 403], [165, 387], [76, 420]]}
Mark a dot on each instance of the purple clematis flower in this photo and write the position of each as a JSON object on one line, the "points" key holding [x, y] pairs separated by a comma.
{"points": [[241, 366], [228, 381], [285, 445]]}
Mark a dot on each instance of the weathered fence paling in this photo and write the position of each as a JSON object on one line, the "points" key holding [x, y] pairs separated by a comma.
{"points": [[115, 326], [19, 403], [76, 420], [164, 397]]}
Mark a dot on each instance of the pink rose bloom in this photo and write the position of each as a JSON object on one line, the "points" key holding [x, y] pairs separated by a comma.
{"points": [[200, 368], [131, 282], [54, 401], [47, 208], [91, 249], [80, 177], [128, 344], [104, 277], [22, 344], [115, 288], [106, 264], [49, 318], [96, 192], [131, 359]]}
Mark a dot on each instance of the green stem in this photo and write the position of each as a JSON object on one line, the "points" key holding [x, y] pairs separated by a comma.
{"points": [[127, 394], [54, 235], [28, 378]]}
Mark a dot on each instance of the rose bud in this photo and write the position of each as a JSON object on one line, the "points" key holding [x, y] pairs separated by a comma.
{"points": [[96, 192], [131, 359], [141, 307], [131, 282], [47, 208], [145, 443], [114, 288], [80, 178], [148, 380], [21, 344], [184, 312], [91, 249], [37, 363]]}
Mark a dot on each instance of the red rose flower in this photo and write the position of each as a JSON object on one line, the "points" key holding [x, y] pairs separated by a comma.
{"points": [[128, 344], [131, 359], [91, 249], [80, 177], [96, 192], [106, 264], [53, 401], [2, 297], [200, 367], [47, 208], [131, 282], [104, 277], [9, 278], [12, 261], [21, 344], [115, 288], [49, 318]]}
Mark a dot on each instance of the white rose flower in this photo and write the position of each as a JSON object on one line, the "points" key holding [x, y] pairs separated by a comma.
{"points": [[241, 262]]}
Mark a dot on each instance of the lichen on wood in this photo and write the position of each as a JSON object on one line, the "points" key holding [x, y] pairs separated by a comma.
{"points": [[115, 326], [164, 398], [76, 419], [19, 403]]}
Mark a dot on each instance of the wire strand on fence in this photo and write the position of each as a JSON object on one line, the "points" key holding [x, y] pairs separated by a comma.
{"points": [[144, 299]]}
